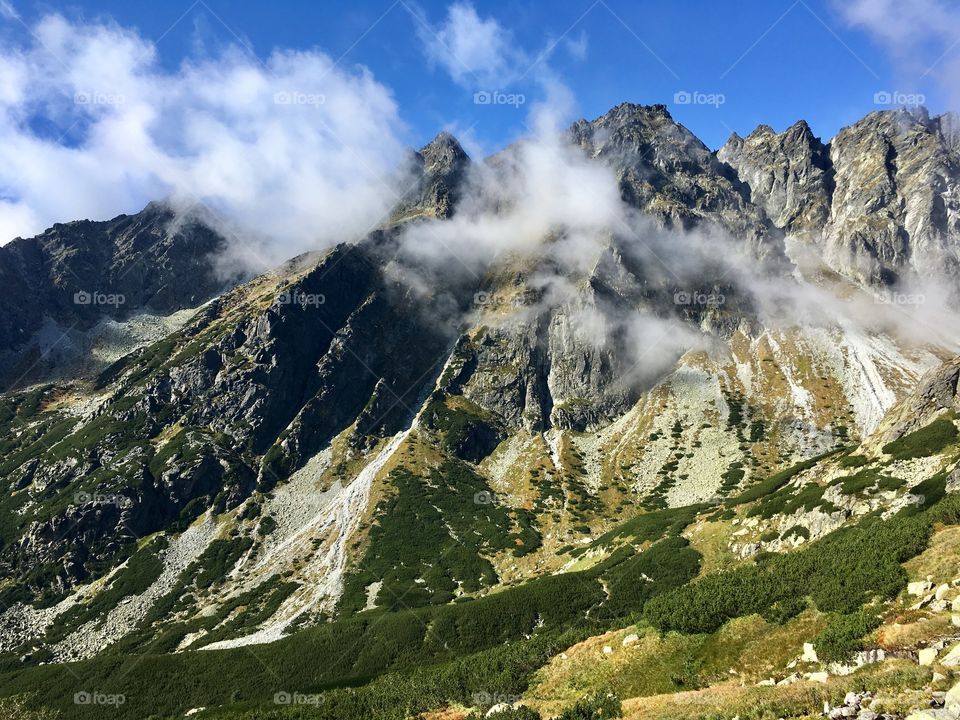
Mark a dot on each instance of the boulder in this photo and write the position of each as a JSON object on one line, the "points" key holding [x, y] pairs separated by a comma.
{"points": [[789, 680], [927, 656], [921, 587], [952, 699], [952, 658]]}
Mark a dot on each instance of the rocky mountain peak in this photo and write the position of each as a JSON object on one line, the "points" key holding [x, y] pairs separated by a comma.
{"points": [[443, 154], [666, 171], [441, 166], [79, 273], [786, 174], [895, 213]]}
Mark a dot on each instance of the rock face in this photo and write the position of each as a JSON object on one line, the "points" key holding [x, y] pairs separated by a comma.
{"points": [[896, 206], [440, 168], [150, 259], [788, 174], [257, 384], [667, 172], [882, 199], [77, 274], [936, 391]]}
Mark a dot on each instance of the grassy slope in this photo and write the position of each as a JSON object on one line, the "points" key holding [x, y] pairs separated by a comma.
{"points": [[413, 660]]}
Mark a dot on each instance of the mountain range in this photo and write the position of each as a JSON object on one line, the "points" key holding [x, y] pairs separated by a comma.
{"points": [[580, 424]]}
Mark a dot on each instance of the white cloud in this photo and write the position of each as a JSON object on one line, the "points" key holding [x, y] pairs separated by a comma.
{"points": [[296, 151], [918, 35], [578, 46], [471, 49], [902, 24]]}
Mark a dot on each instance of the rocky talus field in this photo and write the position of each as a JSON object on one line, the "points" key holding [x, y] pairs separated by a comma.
{"points": [[701, 463]]}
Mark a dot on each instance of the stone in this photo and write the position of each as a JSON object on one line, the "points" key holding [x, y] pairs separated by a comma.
{"points": [[497, 709], [919, 587], [820, 677], [924, 601], [927, 656], [951, 701], [952, 658], [631, 638], [789, 680], [607, 650], [809, 653], [942, 591]]}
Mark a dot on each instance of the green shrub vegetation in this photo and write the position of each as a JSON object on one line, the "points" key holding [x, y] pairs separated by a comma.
{"points": [[140, 572], [843, 636], [796, 531], [926, 441], [431, 536], [384, 664], [853, 461], [776, 481], [838, 573], [599, 706], [395, 664]]}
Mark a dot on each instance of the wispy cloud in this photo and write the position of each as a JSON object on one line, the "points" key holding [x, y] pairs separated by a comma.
{"points": [[295, 150], [472, 49], [922, 37]]}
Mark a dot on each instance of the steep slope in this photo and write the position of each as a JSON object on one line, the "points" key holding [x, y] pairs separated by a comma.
{"points": [[881, 198], [788, 174], [354, 438], [666, 171], [80, 275]]}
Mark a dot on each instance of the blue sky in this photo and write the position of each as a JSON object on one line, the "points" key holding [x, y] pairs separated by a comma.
{"points": [[768, 61]]}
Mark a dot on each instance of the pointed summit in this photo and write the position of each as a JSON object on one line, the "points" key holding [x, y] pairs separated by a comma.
{"points": [[787, 174], [443, 154], [442, 165]]}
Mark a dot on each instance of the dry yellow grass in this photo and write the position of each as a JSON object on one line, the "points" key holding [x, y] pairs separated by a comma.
{"points": [[941, 560], [712, 540], [748, 649]]}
